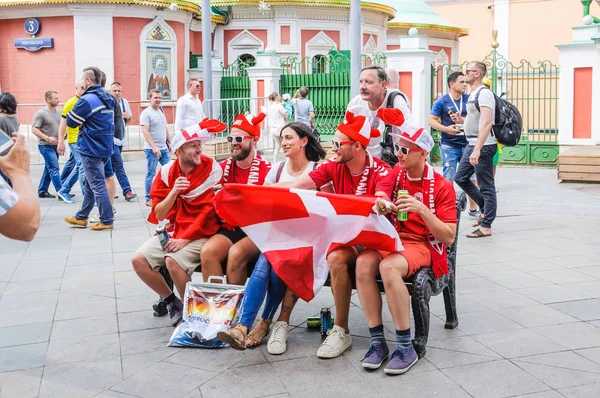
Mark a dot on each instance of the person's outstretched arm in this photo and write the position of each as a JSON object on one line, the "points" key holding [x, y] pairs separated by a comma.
{"points": [[22, 221]]}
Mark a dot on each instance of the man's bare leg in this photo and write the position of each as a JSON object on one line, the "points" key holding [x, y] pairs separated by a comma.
{"points": [[152, 279], [213, 255], [394, 269], [179, 276], [338, 262], [338, 338], [287, 305], [111, 186], [240, 255], [367, 269]]}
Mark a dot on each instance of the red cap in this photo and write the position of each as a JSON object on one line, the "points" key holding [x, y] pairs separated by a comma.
{"points": [[250, 124]]}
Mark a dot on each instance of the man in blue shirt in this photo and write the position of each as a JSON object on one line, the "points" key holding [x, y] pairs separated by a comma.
{"points": [[94, 112], [447, 116]]}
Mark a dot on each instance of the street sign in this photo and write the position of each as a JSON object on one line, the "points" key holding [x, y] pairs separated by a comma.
{"points": [[35, 43]]}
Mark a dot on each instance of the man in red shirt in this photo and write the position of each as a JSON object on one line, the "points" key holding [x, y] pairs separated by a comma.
{"points": [[230, 245], [352, 172], [431, 226], [182, 193]]}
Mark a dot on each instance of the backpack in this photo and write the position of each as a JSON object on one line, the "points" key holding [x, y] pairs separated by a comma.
{"points": [[388, 154], [508, 122]]}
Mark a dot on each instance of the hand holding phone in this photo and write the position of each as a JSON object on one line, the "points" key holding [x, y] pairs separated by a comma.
{"points": [[17, 159], [5, 143]]}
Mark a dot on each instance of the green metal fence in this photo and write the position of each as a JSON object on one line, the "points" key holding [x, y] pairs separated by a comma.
{"points": [[533, 89], [328, 80], [235, 91]]}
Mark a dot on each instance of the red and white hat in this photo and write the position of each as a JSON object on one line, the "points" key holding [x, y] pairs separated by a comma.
{"points": [[421, 138], [204, 131], [418, 136], [249, 123], [356, 125]]}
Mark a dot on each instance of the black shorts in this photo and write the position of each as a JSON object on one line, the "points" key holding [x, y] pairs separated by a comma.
{"points": [[234, 236]]}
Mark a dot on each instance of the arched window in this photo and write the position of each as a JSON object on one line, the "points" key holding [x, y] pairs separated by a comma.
{"points": [[248, 59], [319, 63]]}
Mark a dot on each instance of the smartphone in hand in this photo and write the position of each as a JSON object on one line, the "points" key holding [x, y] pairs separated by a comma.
{"points": [[5, 143]]}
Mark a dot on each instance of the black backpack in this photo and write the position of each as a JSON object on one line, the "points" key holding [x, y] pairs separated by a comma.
{"points": [[508, 122], [388, 155]]}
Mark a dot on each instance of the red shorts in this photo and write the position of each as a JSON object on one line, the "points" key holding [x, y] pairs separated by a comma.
{"points": [[416, 253]]}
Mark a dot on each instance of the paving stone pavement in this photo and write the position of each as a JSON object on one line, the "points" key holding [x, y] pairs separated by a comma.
{"points": [[76, 322]]}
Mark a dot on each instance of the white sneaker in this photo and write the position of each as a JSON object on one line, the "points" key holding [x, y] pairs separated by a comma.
{"points": [[278, 340], [335, 344], [94, 219]]}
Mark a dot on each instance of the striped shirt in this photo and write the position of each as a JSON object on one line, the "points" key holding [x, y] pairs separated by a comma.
{"points": [[8, 197]]}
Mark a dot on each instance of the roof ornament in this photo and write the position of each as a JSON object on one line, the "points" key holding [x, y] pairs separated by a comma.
{"points": [[264, 7]]}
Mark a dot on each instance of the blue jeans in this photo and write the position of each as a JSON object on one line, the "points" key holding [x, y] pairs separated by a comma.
{"points": [[94, 189], [451, 156], [151, 163], [51, 169], [485, 194], [119, 168], [76, 173], [263, 281], [68, 168]]}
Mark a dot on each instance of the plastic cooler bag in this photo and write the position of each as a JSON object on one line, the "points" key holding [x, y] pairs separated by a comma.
{"points": [[208, 308]]}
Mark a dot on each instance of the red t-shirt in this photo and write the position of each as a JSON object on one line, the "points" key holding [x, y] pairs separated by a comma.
{"points": [[444, 198], [381, 178], [259, 169]]}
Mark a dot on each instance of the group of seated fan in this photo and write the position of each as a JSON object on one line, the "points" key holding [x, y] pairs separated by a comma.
{"points": [[183, 193]]}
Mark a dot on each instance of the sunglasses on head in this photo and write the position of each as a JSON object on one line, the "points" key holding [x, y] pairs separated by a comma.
{"points": [[405, 150], [337, 144], [238, 139]]}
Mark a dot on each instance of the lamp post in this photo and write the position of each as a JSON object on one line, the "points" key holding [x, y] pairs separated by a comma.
{"points": [[355, 47], [207, 55]]}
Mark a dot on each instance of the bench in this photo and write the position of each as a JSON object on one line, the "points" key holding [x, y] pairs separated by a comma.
{"points": [[423, 284]]}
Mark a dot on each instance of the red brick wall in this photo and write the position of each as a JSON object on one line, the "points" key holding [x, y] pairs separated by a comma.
{"points": [[28, 75]]}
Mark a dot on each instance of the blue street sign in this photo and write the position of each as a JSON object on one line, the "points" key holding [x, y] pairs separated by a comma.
{"points": [[32, 26], [34, 44]]}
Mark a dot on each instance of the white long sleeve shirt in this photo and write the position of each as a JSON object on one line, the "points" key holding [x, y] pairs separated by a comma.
{"points": [[189, 111]]}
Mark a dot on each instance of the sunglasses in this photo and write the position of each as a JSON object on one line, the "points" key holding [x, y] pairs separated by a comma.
{"points": [[237, 140], [197, 86], [405, 150], [470, 70], [337, 144]]}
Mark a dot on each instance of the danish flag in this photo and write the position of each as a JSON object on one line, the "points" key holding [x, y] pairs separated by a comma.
{"points": [[296, 229]]}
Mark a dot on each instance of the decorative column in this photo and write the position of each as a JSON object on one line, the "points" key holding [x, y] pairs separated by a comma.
{"points": [[580, 85], [264, 79], [413, 62]]}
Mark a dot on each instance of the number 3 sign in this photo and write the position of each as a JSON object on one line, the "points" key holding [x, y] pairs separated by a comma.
{"points": [[32, 26]]}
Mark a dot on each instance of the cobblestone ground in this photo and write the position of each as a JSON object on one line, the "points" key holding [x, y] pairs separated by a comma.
{"points": [[76, 321]]}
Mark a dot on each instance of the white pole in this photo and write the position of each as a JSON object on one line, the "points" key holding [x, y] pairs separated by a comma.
{"points": [[207, 54], [355, 47]]}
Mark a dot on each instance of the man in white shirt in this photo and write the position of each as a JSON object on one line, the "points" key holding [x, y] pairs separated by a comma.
{"points": [[478, 156], [374, 95], [189, 107]]}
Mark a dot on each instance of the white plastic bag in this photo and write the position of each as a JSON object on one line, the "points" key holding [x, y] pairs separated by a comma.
{"points": [[208, 308]]}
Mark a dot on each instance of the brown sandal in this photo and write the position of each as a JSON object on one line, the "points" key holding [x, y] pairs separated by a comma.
{"points": [[478, 233], [228, 337], [251, 340]]}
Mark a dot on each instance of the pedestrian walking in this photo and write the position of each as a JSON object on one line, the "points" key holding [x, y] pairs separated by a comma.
{"points": [[94, 113], [45, 126], [478, 156], [156, 139]]}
